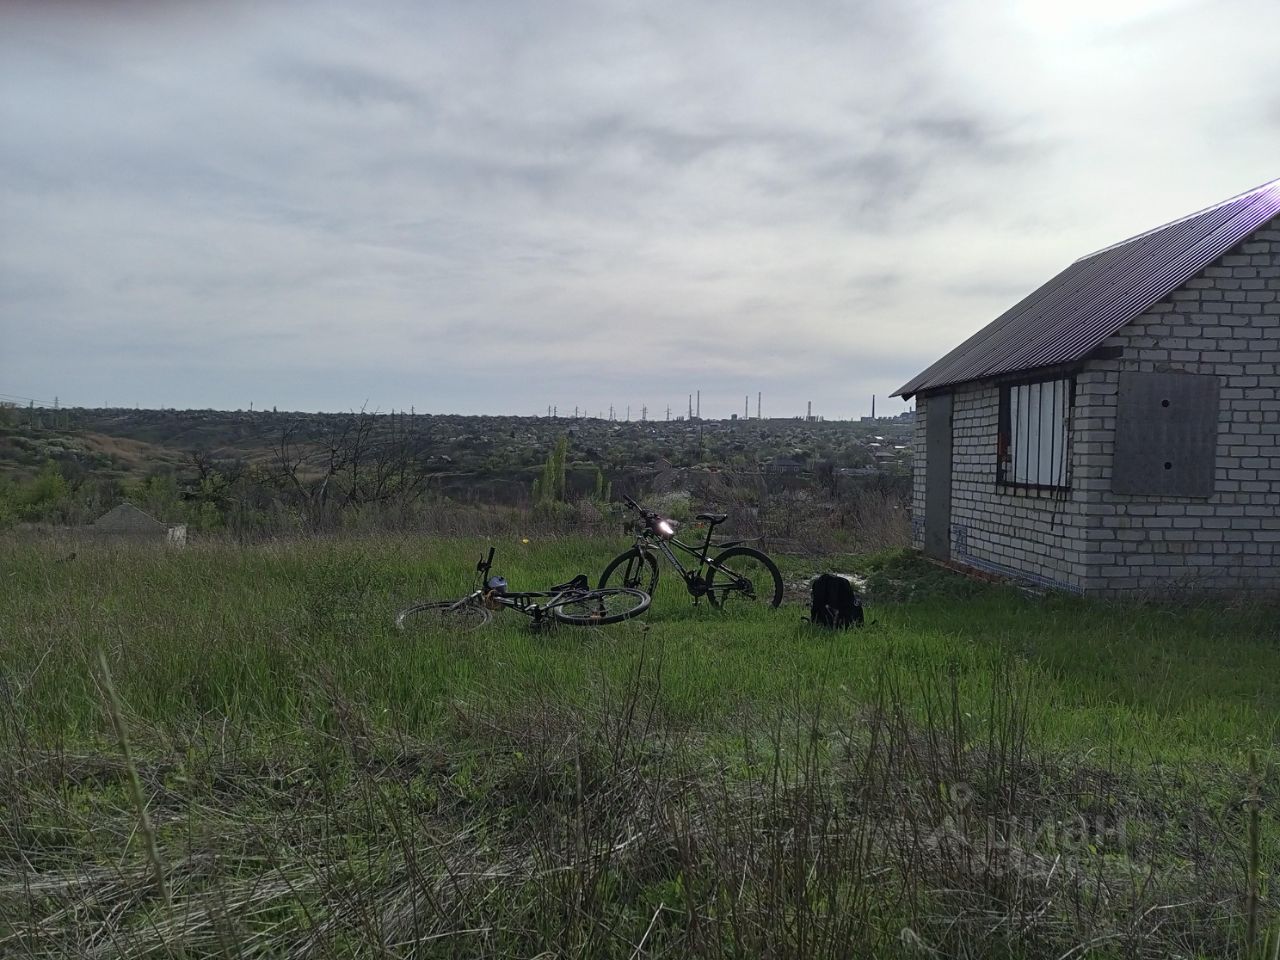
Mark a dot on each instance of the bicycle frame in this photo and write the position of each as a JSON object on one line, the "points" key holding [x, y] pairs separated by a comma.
{"points": [[574, 603], [521, 602], [646, 539], [525, 602]]}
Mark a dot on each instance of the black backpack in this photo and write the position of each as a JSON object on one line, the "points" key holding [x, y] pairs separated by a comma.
{"points": [[835, 604]]}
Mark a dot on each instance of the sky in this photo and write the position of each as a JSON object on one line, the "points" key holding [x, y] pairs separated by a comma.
{"points": [[497, 207]]}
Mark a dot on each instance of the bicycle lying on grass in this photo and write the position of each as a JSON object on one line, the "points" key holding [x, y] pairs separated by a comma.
{"points": [[737, 573], [573, 603]]}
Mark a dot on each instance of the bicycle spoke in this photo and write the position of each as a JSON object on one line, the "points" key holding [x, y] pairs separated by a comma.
{"points": [[744, 576], [601, 606], [448, 616]]}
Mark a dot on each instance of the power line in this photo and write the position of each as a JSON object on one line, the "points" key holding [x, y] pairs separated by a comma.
{"points": [[10, 398]]}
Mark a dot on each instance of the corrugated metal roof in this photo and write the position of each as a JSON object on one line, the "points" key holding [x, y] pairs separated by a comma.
{"points": [[1098, 294]]}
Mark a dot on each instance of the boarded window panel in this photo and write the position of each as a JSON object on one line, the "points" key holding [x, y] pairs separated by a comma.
{"points": [[1018, 431], [1011, 471], [1166, 434], [1062, 395], [1024, 438], [1035, 440], [1045, 439], [1064, 392], [1047, 431], [1055, 418], [1034, 416]]}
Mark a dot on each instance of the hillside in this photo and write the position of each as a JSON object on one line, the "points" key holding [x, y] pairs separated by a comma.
{"points": [[269, 470], [479, 442], [454, 442]]}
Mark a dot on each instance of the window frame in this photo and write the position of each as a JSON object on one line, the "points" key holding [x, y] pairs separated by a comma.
{"points": [[1004, 433]]}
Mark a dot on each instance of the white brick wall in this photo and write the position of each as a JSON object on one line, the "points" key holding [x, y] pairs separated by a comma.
{"points": [[1226, 322], [1033, 532], [918, 460]]}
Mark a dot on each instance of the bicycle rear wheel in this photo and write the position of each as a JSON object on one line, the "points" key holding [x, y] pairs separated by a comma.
{"points": [[456, 616], [746, 575], [598, 607]]}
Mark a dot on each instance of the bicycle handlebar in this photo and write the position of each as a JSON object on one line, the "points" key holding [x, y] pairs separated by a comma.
{"points": [[653, 522], [648, 515]]}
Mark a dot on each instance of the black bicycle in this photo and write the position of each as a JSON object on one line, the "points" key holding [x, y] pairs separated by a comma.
{"points": [[573, 603], [738, 572]]}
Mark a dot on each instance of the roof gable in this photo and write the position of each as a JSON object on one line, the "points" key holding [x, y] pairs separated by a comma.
{"points": [[1098, 294], [127, 516]]}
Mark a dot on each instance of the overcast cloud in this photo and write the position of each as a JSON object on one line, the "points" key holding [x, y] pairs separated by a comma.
{"points": [[494, 207]]}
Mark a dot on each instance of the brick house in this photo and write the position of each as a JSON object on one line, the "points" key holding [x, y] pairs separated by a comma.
{"points": [[1118, 430]]}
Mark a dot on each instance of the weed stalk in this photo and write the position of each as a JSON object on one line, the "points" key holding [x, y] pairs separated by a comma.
{"points": [[115, 708]]}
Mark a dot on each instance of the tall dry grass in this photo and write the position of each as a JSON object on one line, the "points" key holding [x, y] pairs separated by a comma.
{"points": [[605, 828]]}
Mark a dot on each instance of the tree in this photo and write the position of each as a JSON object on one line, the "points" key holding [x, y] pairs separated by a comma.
{"points": [[159, 496], [46, 497], [356, 462], [550, 487]]}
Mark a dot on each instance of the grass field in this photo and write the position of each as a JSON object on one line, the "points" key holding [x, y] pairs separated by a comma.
{"points": [[976, 774]]}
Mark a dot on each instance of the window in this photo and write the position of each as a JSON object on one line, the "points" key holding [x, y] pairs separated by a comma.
{"points": [[1032, 447]]}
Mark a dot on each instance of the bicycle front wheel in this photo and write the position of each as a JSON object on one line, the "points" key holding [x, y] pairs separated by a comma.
{"points": [[636, 569], [456, 616], [598, 607], [742, 574]]}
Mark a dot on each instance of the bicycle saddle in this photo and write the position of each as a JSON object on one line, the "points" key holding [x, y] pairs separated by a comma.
{"points": [[713, 518], [579, 582]]}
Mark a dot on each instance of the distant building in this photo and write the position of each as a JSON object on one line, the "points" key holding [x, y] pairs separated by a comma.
{"points": [[785, 465], [126, 520]]}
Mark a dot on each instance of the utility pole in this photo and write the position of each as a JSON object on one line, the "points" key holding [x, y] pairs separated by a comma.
{"points": [[873, 406], [699, 404]]}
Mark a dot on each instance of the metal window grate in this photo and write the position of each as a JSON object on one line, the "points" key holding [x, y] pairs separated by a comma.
{"points": [[1032, 449]]}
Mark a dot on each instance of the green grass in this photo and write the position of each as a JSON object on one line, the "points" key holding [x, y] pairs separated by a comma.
{"points": [[239, 632], [268, 695]]}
